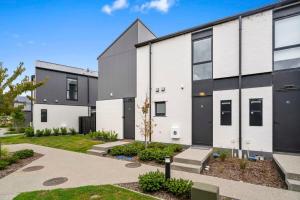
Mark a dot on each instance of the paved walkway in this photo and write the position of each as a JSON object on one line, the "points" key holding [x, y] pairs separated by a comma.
{"points": [[82, 169], [3, 131]]}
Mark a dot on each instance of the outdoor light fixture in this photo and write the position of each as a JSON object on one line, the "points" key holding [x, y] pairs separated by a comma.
{"points": [[167, 167]]}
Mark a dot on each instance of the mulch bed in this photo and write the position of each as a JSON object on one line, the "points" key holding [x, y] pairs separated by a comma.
{"points": [[161, 194], [21, 163], [263, 172]]}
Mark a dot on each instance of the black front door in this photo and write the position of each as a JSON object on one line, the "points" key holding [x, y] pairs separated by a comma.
{"points": [[287, 121], [202, 121], [129, 118], [287, 111]]}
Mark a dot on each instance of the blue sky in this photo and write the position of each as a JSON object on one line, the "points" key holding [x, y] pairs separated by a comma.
{"points": [[75, 32]]}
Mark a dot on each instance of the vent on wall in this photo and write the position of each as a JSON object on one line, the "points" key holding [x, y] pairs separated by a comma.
{"points": [[175, 134]]}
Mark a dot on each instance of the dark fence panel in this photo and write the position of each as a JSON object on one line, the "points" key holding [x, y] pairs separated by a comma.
{"points": [[87, 124]]}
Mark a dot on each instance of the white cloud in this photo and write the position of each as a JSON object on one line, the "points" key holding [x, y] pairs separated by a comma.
{"points": [[31, 42], [116, 5], [160, 5]]}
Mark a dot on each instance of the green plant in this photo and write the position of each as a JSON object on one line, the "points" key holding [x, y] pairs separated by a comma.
{"points": [[55, 131], [243, 164], [39, 133], [175, 147], [11, 129], [11, 159], [72, 131], [22, 130], [63, 130], [47, 132], [29, 132], [151, 181], [3, 164], [104, 135], [3, 152], [223, 156], [156, 145], [127, 150], [179, 187], [25, 153]]}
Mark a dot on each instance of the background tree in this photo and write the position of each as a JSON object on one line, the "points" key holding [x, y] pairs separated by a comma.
{"points": [[9, 90], [147, 125]]}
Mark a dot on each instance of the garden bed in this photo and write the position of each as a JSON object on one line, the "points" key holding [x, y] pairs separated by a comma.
{"points": [[20, 163], [261, 172], [160, 194]]}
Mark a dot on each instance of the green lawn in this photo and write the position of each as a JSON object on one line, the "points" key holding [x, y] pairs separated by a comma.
{"points": [[78, 143], [105, 192]]}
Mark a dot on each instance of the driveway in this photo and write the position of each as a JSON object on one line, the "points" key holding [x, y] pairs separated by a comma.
{"points": [[83, 169]]}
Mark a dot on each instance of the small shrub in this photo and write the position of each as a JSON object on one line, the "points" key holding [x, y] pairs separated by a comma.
{"points": [[47, 132], [55, 131], [12, 159], [21, 130], [39, 133], [147, 154], [11, 129], [4, 152], [243, 164], [29, 132], [127, 150], [22, 154], [104, 135], [179, 187], [223, 156], [158, 145], [151, 181], [63, 130], [175, 147], [3, 164], [72, 131]]}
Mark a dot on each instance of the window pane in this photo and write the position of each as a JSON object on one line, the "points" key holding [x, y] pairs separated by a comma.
{"points": [[72, 89], [160, 108], [43, 115], [202, 50], [287, 31], [202, 71], [226, 112], [256, 108], [288, 58]]}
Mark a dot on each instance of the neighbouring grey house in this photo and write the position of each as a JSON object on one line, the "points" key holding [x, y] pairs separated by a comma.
{"points": [[117, 80], [68, 94], [24, 101]]}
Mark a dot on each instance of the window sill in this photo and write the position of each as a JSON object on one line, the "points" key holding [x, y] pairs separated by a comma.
{"points": [[160, 116]]}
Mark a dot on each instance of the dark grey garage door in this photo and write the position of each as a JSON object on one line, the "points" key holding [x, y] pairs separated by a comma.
{"points": [[129, 118], [287, 111], [202, 121]]}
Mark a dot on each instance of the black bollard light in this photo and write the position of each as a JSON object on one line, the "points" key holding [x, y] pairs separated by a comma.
{"points": [[167, 167]]}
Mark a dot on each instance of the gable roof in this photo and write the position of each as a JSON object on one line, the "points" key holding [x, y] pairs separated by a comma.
{"points": [[129, 27], [227, 19]]}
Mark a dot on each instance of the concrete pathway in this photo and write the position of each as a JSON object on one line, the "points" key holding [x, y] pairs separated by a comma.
{"points": [[82, 169], [4, 130]]}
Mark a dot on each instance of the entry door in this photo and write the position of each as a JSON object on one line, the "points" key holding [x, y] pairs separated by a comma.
{"points": [[287, 120], [129, 118], [202, 121]]}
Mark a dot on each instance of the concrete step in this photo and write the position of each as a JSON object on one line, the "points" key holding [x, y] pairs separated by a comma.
{"points": [[293, 176], [186, 167], [99, 148], [293, 184], [187, 161], [96, 152]]}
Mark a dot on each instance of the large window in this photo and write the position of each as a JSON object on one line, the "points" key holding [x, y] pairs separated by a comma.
{"points": [[44, 115], [287, 43], [160, 108], [256, 109], [72, 89], [202, 59], [225, 112]]}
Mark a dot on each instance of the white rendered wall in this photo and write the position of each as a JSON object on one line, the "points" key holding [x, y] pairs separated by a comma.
{"points": [[109, 116], [226, 136], [257, 43], [58, 116], [258, 137], [226, 49], [171, 69]]}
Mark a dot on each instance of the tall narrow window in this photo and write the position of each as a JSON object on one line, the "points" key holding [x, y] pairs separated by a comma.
{"points": [[202, 59], [256, 107], [287, 43], [226, 112], [160, 108], [44, 115], [72, 89]]}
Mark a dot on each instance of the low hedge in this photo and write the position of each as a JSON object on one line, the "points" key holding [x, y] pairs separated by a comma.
{"points": [[128, 150], [107, 136], [29, 132], [155, 181], [3, 164], [25, 153]]}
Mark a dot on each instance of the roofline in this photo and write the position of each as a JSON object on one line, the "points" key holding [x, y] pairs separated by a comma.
{"points": [[89, 73], [220, 21], [133, 23]]}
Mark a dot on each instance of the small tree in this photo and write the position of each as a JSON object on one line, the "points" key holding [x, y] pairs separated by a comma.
{"points": [[18, 119], [147, 124]]}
